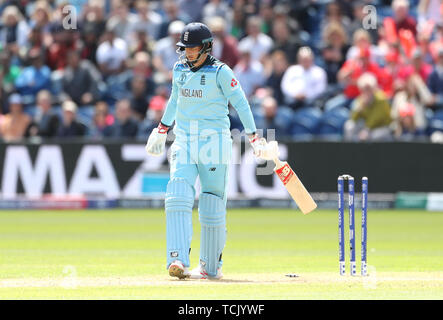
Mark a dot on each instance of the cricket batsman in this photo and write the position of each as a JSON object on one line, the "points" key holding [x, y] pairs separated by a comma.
{"points": [[202, 86]]}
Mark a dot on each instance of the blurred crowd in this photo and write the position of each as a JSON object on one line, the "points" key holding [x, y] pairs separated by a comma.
{"points": [[311, 69]]}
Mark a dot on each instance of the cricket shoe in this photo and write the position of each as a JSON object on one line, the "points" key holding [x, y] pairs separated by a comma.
{"points": [[176, 269], [200, 273]]}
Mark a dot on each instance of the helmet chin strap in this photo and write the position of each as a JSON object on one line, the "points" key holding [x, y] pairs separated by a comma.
{"points": [[191, 63], [183, 59]]}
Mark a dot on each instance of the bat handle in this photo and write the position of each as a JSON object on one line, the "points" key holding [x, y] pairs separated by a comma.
{"points": [[278, 163]]}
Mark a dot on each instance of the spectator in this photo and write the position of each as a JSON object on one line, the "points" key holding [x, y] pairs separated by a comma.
{"points": [[224, 45], [142, 68], [361, 40], [46, 122], [80, 80], [309, 22], [250, 7], [124, 126], [248, 72], [140, 96], [359, 17], [165, 55], [146, 21], [94, 15], [429, 10], [417, 66], [435, 82], [8, 75], [141, 65], [132, 46], [401, 17], [216, 8], [404, 125], [346, 7], [390, 73], [78, 5], [121, 20], [266, 13], [156, 108], [141, 42], [94, 25], [417, 94], [334, 14], [59, 13], [370, 117], [41, 20], [14, 124], [279, 65], [304, 82], [172, 13], [256, 39], [14, 33], [33, 78], [70, 127], [192, 8], [348, 75], [386, 45], [112, 54], [101, 120], [282, 13], [238, 27], [153, 117], [335, 46], [65, 40], [438, 40], [272, 117], [90, 40], [424, 43], [35, 41], [285, 40]]}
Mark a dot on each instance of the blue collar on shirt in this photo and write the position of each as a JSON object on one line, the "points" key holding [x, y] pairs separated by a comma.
{"points": [[209, 61]]}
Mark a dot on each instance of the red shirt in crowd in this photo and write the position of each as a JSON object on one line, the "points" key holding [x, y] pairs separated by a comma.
{"points": [[407, 24], [351, 90], [230, 53], [424, 71]]}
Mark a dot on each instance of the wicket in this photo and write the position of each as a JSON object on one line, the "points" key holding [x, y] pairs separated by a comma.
{"points": [[341, 224]]}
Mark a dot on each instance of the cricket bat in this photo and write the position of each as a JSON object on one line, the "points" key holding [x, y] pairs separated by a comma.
{"points": [[294, 186]]}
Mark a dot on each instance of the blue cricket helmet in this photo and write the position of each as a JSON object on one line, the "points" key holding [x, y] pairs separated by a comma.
{"points": [[194, 34]]}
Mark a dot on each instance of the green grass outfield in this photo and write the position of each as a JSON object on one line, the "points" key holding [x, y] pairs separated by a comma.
{"points": [[120, 254]]}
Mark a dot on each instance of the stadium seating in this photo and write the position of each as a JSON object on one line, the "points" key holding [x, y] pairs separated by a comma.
{"points": [[332, 122], [305, 123], [436, 123], [85, 114]]}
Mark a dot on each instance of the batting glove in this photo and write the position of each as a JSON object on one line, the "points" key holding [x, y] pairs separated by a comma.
{"points": [[155, 145], [264, 150]]}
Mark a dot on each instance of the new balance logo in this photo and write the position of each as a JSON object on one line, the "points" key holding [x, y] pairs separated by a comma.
{"points": [[212, 169], [203, 80]]}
